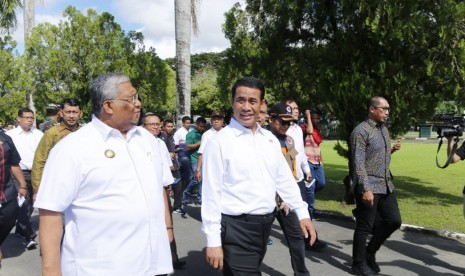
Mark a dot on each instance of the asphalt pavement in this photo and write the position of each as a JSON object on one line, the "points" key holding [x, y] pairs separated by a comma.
{"points": [[405, 253]]}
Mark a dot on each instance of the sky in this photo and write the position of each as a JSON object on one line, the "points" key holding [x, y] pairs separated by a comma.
{"points": [[154, 18]]}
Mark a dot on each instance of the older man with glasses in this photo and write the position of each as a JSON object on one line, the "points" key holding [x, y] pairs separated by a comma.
{"points": [[107, 179]]}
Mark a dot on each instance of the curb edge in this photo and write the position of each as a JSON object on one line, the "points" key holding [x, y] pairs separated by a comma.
{"points": [[404, 227]]}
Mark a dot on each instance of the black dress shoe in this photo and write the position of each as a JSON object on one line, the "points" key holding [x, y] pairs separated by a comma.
{"points": [[178, 264], [363, 269], [317, 245], [371, 262]]}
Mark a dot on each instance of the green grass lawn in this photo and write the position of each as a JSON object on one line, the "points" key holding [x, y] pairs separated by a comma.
{"points": [[427, 196]]}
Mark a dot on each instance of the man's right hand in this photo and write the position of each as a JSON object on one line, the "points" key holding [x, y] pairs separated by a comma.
{"points": [[368, 198], [23, 192], [215, 257]]}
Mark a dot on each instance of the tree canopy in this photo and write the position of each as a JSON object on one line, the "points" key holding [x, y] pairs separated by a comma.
{"points": [[66, 57], [341, 53], [10, 80], [8, 18]]}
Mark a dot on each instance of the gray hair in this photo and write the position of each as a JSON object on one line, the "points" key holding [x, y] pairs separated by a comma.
{"points": [[105, 87]]}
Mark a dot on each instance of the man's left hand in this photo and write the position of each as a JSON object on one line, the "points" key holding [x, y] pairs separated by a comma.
{"points": [[396, 146], [23, 192], [308, 175]]}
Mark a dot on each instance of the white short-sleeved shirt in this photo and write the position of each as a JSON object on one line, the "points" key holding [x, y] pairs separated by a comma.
{"points": [[180, 136], [110, 190], [297, 135], [205, 138], [26, 143], [166, 159], [242, 171]]}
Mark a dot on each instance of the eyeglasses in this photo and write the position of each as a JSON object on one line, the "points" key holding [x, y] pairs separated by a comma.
{"points": [[74, 112], [27, 117], [295, 108], [153, 124], [132, 100], [284, 123], [384, 109]]}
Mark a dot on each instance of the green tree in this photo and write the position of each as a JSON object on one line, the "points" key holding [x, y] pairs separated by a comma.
{"points": [[8, 20], [66, 57], [11, 96], [150, 75], [206, 95], [340, 53]]}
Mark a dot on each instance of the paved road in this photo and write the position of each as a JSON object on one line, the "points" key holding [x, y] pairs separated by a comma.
{"points": [[405, 253]]}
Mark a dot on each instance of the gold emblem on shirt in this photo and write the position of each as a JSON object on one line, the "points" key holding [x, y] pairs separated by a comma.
{"points": [[109, 153]]}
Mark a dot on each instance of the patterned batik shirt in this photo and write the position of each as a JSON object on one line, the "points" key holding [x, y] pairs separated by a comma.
{"points": [[371, 156]]}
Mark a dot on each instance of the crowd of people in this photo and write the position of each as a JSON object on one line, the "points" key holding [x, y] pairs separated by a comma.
{"points": [[106, 191]]}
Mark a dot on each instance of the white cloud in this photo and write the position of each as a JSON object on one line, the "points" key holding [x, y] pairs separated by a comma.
{"points": [[163, 47], [157, 19], [154, 18]]}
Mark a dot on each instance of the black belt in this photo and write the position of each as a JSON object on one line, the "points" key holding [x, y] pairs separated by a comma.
{"points": [[266, 218], [26, 170]]}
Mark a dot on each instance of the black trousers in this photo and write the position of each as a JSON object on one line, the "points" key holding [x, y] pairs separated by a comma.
{"points": [[177, 195], [290, 225], [385, 212], [244, 240], [173, 247], [24, 223], [8, 216]]}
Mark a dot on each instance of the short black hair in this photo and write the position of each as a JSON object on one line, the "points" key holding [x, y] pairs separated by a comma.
{"points": [[185, 118], [23, 110], [167, 121], [249, 82], [201, 120], [70, 102], [374, 101], [150, 114]]}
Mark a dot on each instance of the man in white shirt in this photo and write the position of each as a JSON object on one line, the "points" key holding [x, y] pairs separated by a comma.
{"points": [[107, 180], [181, 148], [242, 170], [297, 134], [26, 139], [217, 120], [152, 123]]}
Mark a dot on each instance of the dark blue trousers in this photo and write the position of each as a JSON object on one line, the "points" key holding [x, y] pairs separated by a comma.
{"points": [[290, 225], [24, 223]]}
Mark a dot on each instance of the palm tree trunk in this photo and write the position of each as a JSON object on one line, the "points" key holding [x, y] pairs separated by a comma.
{"points": [[28, 25], [183, 57]]}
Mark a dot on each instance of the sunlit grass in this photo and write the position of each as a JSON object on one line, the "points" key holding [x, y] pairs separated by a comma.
{"points": [[428, 196]]}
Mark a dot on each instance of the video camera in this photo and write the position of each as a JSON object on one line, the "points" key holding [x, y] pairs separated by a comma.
{"points": [[448, 125], [449, 131]]}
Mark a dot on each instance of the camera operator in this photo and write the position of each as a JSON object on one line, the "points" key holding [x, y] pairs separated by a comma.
{"points": [[458, 155]]}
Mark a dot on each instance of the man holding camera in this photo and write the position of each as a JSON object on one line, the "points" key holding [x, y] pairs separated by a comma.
{"points": [[458, 155]]}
